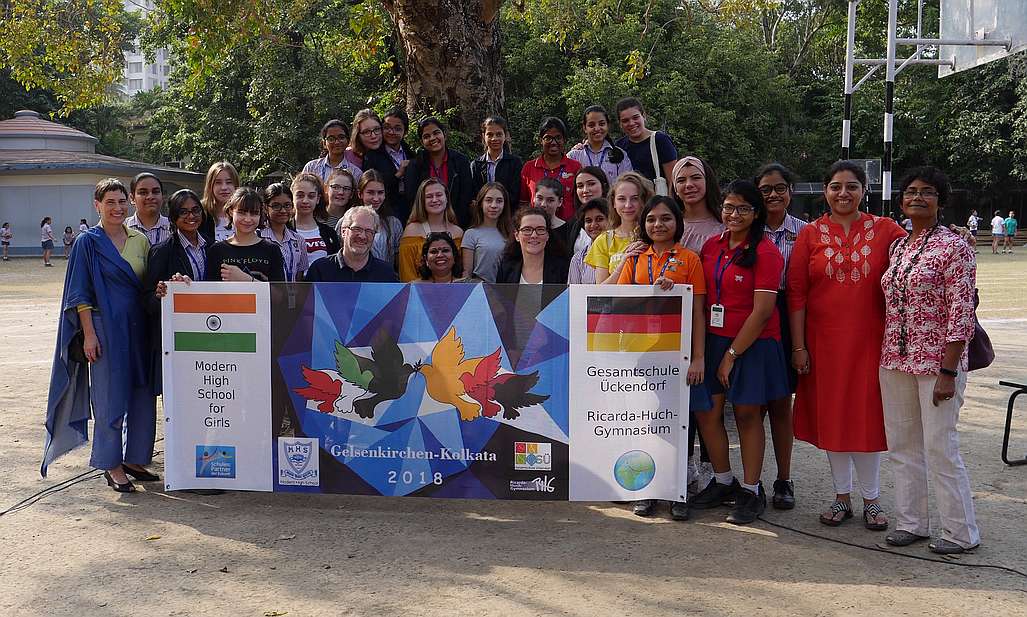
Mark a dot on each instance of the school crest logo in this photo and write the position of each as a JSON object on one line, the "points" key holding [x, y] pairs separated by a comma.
{"points": [[298, 462]]}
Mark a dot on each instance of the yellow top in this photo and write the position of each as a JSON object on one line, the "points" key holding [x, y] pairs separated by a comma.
{"points": [[607, 251], [409, 259], [135, 252]]}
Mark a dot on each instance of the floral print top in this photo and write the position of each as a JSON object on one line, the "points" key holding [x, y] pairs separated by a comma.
{"points": [[928, 289]]}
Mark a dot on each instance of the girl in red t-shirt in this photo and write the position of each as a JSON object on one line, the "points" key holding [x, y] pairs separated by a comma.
{"points": [[745, 363]]}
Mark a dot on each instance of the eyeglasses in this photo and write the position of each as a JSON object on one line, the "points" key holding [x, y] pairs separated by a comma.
{"points": [[195, 212], [336, 138], [925, 193], [394, 129], [340, 188], [361, 230], [368, 132], [537, 231], [279, 207], [551, 139], [742, 210], [780, 188]]}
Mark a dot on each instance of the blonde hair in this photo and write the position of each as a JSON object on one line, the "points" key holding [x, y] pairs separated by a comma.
{"points": [[645, 192], [419, 213], [207, 201]]}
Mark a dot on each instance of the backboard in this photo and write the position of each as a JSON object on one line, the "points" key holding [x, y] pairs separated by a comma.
{"points": [[981, 19]]}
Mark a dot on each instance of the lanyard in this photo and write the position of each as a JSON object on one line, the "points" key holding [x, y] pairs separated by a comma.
{"points": [[559, 172], [718, 274], [602, 156], [291, 247], [664, 268], [197, 270]]}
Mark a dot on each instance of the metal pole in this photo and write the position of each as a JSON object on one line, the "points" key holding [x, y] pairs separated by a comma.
{"points": [[850, 52], [889, 97]]}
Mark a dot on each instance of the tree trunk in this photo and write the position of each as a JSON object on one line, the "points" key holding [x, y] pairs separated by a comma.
{"points": [[452, 57]]}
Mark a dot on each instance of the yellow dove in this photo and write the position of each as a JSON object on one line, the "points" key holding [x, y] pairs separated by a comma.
{"points": [[442, 376]]}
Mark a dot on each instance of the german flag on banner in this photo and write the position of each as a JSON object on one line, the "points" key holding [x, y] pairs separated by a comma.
{"points": [[212, 335], [636, 325]]}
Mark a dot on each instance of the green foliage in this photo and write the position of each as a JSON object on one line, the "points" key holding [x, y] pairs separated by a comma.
{"points": [[738, 82], [71, 47]]}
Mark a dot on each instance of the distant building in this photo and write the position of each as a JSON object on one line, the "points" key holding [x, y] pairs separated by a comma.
{"points": [[49, 169], [140, 75]]}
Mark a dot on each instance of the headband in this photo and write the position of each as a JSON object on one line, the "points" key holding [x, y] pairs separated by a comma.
{"points": [[688, 160]]}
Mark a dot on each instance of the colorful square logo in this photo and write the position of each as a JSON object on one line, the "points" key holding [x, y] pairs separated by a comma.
{"points": [[531, 456], [215, 461]]}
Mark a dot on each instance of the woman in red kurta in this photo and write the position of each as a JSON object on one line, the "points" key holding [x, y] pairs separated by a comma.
{"points": [[837, 316]]}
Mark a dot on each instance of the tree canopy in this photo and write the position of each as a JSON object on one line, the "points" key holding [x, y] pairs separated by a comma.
{"points": [[739, 82]]}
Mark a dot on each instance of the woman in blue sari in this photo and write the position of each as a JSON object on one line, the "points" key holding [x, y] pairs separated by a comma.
{"points": [[102, 356]]}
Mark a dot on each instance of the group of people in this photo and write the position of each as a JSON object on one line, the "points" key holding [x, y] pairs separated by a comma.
{"points": [[865, 324], [46, 237]]}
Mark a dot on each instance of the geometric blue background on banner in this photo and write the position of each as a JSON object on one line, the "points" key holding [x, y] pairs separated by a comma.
{"points": [[415, 317]]}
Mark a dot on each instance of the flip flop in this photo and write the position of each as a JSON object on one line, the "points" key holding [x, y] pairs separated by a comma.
{"points": [[837, 507]]}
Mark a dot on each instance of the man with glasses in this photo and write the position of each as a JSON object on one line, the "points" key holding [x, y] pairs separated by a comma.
{"points": [[354, 263]]}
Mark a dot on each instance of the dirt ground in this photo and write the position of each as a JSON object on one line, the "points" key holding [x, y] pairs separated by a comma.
{"points": [[88, 551]]}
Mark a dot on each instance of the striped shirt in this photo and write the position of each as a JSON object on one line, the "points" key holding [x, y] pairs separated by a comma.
{"points": [[294, 251], [197, 255], [322, 168], [784, 239], [156, 234]]}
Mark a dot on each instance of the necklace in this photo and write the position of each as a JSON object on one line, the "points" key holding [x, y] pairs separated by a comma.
{"points": [[900, 284]]}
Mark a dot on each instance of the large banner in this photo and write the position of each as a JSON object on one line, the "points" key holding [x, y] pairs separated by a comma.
{"points": [[460, 390]]}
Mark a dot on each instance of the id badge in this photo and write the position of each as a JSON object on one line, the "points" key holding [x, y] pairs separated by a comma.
{"points": [[717, 316]]}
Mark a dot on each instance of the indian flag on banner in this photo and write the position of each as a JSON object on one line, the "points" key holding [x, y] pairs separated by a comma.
{"points": [[634, 324], [215, 322]]}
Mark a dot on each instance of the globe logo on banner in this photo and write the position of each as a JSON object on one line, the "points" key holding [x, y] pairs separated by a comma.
{"points": [[634, 470]]}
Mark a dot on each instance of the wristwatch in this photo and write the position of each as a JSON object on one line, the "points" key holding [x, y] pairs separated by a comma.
{"points": [[734, 354], [949, 372]]}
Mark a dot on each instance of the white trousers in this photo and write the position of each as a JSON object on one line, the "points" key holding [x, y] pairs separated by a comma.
{"points": [[921, 437], [868, 472]]}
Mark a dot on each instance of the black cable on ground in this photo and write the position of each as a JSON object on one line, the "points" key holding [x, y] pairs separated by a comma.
{"points": [[878, 549], [92, 474]]}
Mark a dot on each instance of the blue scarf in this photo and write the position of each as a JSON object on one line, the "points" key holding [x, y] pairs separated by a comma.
{"points": [[98, 276]]}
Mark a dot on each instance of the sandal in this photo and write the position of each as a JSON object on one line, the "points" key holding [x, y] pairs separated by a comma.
{"points": [[870, 512], [838, 507]]}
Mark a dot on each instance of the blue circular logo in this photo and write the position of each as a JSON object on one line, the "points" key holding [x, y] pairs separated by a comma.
{"points": [[634, 470]]}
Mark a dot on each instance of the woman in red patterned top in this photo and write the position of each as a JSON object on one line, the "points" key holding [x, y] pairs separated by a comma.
{"points": [[836, 309], [928, 290]]}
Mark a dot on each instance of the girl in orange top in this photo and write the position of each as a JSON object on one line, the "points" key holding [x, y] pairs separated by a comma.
{"points": [[432, 212], [663, 263]]}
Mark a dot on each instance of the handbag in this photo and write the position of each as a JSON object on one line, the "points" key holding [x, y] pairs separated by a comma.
{"points": [[980, 353], [76, 348], [660, 182]]}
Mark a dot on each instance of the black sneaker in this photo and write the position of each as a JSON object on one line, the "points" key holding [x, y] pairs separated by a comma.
{"points": [[784, 495], [748, 505], [715, 494], [644, 507], [680, 511]]}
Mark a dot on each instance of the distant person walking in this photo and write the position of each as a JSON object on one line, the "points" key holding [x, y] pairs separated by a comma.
{"points": [[1010, 225], [998, 232], [83, 226], [46, 237], [973, 224], [6, 235]]}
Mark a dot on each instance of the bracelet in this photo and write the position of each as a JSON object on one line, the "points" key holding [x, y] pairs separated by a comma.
{"points": [[949, 372], [797, 349]]}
